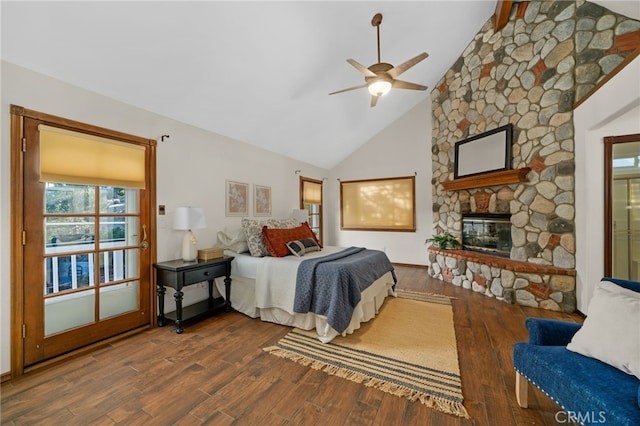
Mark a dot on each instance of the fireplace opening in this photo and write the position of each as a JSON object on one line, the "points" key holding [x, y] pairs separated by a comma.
{"points": [[487, 233]]}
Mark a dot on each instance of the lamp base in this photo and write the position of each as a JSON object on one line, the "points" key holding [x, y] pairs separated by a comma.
{"points": [[189, 251]]}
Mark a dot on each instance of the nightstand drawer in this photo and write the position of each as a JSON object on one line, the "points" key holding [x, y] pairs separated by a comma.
{"points": [[204, 274]]}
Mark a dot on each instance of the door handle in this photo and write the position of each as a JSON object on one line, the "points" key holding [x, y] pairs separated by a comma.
{"points": [[144, 244]]}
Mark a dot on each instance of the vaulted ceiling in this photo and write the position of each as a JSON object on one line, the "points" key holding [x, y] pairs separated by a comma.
{"points": [[258, 72]]}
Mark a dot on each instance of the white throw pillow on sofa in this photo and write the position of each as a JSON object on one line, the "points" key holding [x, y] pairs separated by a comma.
{"points": [[611, 331]]}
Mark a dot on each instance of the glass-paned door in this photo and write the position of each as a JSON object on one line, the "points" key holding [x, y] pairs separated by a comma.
{"points": [[85, 261], [626, 228], [77, 264], [622, 206]]}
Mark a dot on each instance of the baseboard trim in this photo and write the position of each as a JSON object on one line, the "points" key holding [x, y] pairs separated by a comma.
{"points": [[410, 265]]}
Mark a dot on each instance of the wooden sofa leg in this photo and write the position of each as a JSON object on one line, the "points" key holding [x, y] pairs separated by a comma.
{"points": [[522, 390]]}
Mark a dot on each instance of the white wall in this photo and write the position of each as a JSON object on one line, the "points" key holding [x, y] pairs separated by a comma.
{"points": [[613, 110], [192, 166], [402, 149]]}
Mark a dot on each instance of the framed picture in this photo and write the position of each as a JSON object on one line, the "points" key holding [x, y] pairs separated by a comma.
{"points": [[484, 153], [261, 200], [237, 198]]}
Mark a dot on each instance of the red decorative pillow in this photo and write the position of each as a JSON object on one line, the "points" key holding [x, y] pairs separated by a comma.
{"points": [[277, 239]]}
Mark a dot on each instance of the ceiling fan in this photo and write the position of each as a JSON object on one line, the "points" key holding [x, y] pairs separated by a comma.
{"points": [[381, 77]]}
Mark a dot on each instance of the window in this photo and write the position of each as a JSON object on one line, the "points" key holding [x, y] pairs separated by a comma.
{"points": [[311, 201], [70, 235], [378, 204]]}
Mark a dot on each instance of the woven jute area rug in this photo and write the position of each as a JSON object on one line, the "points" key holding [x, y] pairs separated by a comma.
{"points": [[408, 350]]}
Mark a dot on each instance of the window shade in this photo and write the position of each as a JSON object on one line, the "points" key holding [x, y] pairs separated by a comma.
{"points": [[311, 192], [73, 157], [378, 204]]}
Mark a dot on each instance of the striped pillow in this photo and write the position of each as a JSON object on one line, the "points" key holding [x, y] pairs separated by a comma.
{"points": [[300, 247]]}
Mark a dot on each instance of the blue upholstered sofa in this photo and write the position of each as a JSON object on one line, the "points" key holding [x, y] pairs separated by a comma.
{"points": [[588, 390]]}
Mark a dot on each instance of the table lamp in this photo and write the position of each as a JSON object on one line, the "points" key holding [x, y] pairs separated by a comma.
{"points": [[186, 219]]}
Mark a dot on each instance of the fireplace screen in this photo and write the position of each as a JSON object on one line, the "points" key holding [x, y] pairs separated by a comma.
{"points": [[487, 233]]}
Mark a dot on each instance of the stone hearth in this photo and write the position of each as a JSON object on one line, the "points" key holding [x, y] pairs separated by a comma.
{"points": [[508, 280]]}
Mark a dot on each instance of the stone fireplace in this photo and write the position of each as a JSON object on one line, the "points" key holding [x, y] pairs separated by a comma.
{"points": [[530, 74]]}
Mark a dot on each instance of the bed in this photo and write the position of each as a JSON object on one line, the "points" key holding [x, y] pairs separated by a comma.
{"points": [[282, 274], [265, 288]]}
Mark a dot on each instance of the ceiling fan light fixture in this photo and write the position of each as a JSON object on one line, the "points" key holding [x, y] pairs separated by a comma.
{"points": [[381, 77], [379, 87]]}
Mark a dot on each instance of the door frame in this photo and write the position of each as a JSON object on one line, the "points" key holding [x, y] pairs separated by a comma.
{"points": [[17, 147], [609, 141]]}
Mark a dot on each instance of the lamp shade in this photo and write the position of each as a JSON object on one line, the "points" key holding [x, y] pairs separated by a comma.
{"points": [[189, 218], [301, 215], [379, 87]]}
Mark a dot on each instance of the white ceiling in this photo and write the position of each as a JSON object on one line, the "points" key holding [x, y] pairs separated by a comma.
{"points": [[258, 72]]}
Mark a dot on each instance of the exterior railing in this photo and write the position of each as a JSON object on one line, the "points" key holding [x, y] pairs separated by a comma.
{"points": [[72, 271]]}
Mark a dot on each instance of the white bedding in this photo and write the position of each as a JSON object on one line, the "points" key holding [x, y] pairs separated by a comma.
{"points": [[264, 287]]}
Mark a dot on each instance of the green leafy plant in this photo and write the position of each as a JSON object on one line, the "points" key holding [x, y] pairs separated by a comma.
{"points": [[444, 240]]}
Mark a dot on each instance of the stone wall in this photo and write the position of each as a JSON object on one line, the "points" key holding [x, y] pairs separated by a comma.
{"points": [[530, 74]]}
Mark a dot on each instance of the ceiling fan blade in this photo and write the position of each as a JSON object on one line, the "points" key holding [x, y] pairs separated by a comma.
{"points": [[399, 84], [349, 88], [374, 100], [364, 70], [396, 71]]}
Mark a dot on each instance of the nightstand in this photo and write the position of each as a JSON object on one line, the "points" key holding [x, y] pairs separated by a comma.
{"points": [[178, 274]]}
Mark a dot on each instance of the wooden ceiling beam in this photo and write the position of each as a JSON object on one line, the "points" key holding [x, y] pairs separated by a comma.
{"points": [[503, 9]]}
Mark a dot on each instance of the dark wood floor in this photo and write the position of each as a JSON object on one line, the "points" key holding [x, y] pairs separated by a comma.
{"points": [[216, 373]]}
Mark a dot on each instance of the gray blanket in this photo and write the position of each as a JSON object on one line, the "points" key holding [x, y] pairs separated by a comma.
{"points": [[331, 285]]}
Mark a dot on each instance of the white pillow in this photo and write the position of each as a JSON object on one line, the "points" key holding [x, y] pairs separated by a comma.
{"points": [[611, 331], [233, 239]]}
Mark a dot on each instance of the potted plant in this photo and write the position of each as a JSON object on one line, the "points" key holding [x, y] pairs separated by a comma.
{"points": [[444, 240]]}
